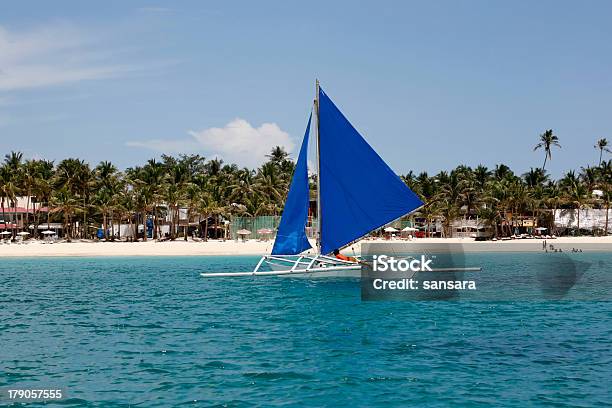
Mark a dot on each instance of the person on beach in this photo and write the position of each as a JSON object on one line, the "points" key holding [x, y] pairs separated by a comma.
{"points": [[338, 255]]}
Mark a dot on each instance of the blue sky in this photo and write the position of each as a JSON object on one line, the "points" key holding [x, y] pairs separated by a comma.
{"points": [[429, 84]]}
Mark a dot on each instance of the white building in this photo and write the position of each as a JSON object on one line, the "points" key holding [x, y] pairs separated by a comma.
{"points": [[590, 219]]}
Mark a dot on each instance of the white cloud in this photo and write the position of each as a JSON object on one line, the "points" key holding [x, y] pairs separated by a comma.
{"points": [[237, 142], [51, 55]]}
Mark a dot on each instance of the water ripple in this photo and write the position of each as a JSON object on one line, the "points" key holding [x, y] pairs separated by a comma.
{"points": [[150, 332]]}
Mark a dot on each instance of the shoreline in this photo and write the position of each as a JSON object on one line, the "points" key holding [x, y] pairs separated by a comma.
{"points": [[258, 248]]}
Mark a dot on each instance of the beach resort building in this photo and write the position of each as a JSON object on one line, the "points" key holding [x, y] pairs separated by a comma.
{"points": [[15, 215]]}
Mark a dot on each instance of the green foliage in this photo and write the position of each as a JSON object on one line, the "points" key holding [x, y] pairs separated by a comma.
{"points": [[210, 190]]}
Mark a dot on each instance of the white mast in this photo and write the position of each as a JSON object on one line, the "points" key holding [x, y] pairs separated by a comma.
{"points": [[316, 109]]}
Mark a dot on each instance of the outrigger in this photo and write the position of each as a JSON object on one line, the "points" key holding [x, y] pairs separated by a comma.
{"points": [[357, 192]]}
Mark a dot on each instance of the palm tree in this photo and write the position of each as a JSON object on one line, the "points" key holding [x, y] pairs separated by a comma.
{"points": [[104, 201], [28, 180], [535, 177], [278, 155], [13, 165], [605, 182], [8, 190], [576, 194], [553, 199], [590, 177], [547, 141], [482, 176], [502, 172], [242, 190], [602, 145], [153, 175], [64, 201], [491, 217], [268, 184], [207, 207], [409, 179], [192, 194], [43, 189], [430, 212], [76, 176]]}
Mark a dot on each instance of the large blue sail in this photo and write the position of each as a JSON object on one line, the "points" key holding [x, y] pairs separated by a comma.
{"points": [[291, 236], [359, 192]]}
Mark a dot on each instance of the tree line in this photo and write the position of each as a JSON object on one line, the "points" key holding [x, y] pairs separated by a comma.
{"points": [[82, 198]]}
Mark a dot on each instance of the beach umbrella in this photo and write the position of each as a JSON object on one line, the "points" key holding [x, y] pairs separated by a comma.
{"points": [[243, 233], [48, 232], [410, 229], [391, 229], [6, 233], [541, 229], [264, 231], [23, 233]]}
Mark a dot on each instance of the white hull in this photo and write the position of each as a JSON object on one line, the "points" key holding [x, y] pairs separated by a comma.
{"points": [[329, 273], [329, 269]]}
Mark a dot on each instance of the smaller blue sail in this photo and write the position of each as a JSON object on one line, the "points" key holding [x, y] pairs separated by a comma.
{"points": [[291, 236]]}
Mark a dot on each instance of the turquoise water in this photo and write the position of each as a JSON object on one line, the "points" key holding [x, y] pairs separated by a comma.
{"points": [[152, 333]]}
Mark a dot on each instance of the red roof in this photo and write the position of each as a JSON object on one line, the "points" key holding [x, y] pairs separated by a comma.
{"points": [[22, 210]]}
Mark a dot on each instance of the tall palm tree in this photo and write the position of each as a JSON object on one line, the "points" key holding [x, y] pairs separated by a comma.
{"points": [[42, 189], [76, 176], [14, 166], [28, 180], [104, 202], [605, 182], [602, 145], [8, 190], [547, 141], [153, 174]]}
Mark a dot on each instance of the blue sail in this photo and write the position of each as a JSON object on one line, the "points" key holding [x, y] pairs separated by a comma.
{"points": [[359, 192], [291, 236]]}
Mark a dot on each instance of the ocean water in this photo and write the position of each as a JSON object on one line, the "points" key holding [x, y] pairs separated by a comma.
{"points": [[153, 333]]}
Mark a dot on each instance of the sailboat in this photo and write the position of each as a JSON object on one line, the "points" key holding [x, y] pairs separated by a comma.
{"points": [[357, 192]]}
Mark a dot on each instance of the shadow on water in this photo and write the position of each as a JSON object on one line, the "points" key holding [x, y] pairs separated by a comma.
{"points": [[559, 274]]}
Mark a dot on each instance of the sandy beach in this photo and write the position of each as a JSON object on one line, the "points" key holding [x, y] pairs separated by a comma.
{"points": [[252, 247]]}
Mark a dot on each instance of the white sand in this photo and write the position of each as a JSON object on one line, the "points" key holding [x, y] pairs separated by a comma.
{"points": [[587, 244], [149, 248], [252, 247]]}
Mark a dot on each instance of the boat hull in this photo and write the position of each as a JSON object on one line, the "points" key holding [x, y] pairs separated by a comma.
{"points": [[331, 271]]}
